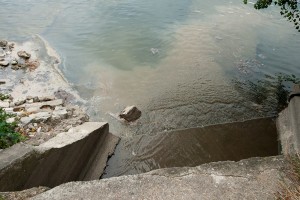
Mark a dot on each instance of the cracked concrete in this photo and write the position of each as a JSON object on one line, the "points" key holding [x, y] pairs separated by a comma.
{"points": [[255, 178]]}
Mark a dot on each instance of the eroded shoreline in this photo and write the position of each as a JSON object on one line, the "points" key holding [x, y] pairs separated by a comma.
{"points": [[42, 100]]}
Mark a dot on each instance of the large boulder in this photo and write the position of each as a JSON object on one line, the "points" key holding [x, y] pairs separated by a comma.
{"points": [[130, 113]]}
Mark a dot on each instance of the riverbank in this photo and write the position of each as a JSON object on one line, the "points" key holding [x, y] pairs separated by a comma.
{"points": [[42, 100], [60, 145]]}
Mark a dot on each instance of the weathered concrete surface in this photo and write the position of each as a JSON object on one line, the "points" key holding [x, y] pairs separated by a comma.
{"points": [[288, 127], [25, 194], [67, 157], [16, 166], [255, 178]]}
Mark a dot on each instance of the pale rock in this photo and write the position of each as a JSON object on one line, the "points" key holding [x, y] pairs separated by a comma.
{"points": [[26, 120], [53, 103], [29, 101], [11, 46], [33, 109], [30, 126], [60, 113], [29, 97], [130, 113], [2, 54], [47, 98], [4, 63], [24, 54], [3, 81], [40, 117], [10, 120], [14, 62], [4, 104], [8, 110], [19, 102]]}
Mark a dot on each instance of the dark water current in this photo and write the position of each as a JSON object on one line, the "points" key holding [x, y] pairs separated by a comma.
{"points": [[185, 64]]}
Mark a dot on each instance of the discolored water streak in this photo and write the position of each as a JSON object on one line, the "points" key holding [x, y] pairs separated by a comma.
{"points": [[192, 147]]}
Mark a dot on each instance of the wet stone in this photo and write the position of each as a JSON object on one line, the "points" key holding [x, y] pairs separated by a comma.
{"points": [[3, 43], [130, 113], [4, 63]]}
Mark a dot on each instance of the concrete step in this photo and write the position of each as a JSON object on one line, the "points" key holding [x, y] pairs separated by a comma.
{"points": [[254, 178]]}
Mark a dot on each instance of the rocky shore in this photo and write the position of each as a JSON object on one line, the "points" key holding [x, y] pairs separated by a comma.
{"points": [[35, 91]]}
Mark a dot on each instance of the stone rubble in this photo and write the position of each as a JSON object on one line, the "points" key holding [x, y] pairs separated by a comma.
{"points": [[43, 114], [24, 61], [48, 115], [39, 117]]}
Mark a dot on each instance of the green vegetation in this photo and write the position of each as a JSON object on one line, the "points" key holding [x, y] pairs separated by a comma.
{"points": [[288, 9], [1, 197], [3, 97], [290, 189], [8, 135]]}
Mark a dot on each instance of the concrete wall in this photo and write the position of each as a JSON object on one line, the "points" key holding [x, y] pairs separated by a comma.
{"points": [[288, 126], [79, 154]]}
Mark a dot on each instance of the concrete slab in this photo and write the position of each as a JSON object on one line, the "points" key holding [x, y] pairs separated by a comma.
{"points": [[79, 154], [255, 178], [288, 126]]}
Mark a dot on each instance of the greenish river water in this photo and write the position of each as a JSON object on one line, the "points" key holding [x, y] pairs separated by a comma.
{"points": [[184, 63]]}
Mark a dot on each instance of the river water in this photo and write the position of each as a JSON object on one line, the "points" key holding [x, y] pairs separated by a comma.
{"points": [[185, 64]]}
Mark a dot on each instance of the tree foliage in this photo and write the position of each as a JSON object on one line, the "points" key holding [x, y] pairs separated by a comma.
{"points": [[288, 9]]}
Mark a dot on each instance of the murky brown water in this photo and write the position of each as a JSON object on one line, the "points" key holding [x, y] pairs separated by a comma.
{"points": [[192, 147]]}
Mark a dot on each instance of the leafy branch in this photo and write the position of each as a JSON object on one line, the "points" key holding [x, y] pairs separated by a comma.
{"points": [[288, 9]]}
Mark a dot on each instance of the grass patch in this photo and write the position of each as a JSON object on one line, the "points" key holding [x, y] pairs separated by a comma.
{"points": [[290, 190], [8, 135]]}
